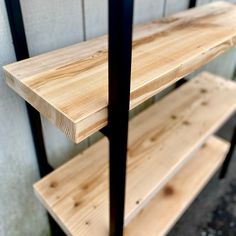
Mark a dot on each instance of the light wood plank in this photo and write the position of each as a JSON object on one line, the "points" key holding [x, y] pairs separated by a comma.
{"points": [[225, 64], [69, 86], [169, 204], [161, 140]]}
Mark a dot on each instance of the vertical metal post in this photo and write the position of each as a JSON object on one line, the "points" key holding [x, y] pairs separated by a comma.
{"points": [[192, 3], [228, 157], [15, 18], [17, 29], [21, 51], [120, 53]]}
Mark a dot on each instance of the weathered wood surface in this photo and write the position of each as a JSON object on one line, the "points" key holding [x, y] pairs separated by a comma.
{"points": [[70, 88], [160, 143], [169, 204]]}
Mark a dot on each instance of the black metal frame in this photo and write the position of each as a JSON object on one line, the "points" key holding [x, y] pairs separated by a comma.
{"points": [[15, 19], [120, 54], [120, 51], [120, 48], [21, 51], [192, 3], [229, 155]]}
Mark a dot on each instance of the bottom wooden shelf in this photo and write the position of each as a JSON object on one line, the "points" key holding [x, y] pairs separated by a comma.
{"points": [[162, 139], [167, 206]]}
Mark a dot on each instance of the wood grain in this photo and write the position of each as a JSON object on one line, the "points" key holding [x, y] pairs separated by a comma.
{"points": [[169, 204], [69, 86], [161, 140]]}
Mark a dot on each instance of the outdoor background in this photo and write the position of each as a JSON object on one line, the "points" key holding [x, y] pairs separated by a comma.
{"points": [[50, 25]]}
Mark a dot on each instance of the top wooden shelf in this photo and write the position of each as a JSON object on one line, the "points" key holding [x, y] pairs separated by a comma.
{"points": [[69, 86]]}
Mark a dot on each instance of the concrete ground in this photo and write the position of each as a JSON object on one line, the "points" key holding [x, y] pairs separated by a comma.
{"points": [[213, 213]]}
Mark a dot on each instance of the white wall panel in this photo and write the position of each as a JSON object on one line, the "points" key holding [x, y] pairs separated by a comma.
{"points": [[148, 10], [96, 18], [96, 14], [52, 24], [173, 6]]}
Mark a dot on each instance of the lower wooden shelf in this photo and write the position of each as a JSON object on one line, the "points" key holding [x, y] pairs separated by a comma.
{"points": [[161, 140], [168, 205]]}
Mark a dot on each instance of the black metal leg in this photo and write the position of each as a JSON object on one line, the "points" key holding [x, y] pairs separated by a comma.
{"points": [[37, 133], [181, 82], [44, 167], [120, 50], [17, 29], [228, 157], [192, 3], [21, 51], [55, 229]]}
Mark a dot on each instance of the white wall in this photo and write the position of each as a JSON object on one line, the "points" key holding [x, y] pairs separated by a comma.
{"points": [[50, 25]]}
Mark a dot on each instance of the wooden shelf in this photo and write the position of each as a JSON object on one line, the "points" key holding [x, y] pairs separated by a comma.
{"points": [[168, 205], [161, 140], [69, 86]]}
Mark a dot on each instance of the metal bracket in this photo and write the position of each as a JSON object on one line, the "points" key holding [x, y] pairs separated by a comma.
{"points": [[119, 70], [192, 3], [228, 157]]}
